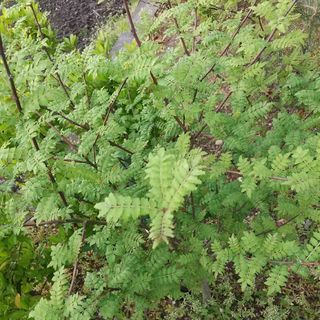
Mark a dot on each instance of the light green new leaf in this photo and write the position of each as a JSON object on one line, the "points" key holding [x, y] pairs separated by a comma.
{"points": [[116, 207]]}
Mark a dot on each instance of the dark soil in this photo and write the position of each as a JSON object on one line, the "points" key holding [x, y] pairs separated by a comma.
{"points": [[79, 17]]}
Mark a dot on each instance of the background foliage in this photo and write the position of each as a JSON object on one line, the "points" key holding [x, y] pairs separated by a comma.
{"points": [[182, 174]]}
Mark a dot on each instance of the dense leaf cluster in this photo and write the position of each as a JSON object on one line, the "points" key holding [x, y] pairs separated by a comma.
{"points": [[193, 157]]}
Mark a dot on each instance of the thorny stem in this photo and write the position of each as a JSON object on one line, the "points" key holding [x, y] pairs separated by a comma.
{"points": [[20, 110]]}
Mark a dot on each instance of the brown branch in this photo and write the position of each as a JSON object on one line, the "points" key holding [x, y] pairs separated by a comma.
{"points": [[199, 132], [75, 267], [135, 34], [120, 147], [214, 7], [89, 162], [220, 107], [132, 26], [186, 51], [181, 124], [70, 160], [244, 20], [225, 50], [82, 126], [302, 263], [86, 161], [282, 225], [111, 106], [20, 110], [154, 79], [258, 56], [33, 224], [260, 24], [10, 77]]}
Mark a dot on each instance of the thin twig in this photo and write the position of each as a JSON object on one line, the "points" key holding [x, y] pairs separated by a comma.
{"points": [[193, 206], [225, 50], [70, 160], [220, 107], [181, 124], [238, 173], [194, 138], [302, 263], [33, 224], [82, 126], [10, 77], [135, 34], [111, 106], [62, 137], [120, 147], [114, 144], [68, 142], [260, 24], [195, 29], [76, 264], [87, 91], [282, 225], [108, 112]]}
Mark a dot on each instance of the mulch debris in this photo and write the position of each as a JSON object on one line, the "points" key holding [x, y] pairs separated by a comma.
{"points": [[80, 17]]}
